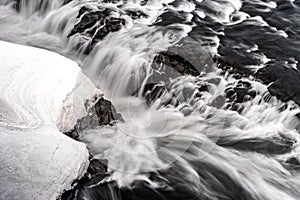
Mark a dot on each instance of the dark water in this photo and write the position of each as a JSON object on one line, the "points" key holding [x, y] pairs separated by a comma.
{"points": [[208, 89]]}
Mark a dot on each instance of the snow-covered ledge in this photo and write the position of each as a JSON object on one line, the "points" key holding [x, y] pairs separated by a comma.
{"points": [[37, 160]]}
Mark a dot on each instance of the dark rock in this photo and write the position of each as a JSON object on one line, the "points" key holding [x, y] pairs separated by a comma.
{"points": [[110, 25], [86, 122], [171, 17], [284, 81], [240, 93], [96, 172], [292, 163], [104, 113], [267, 74], [187, 57], [96, 24], [111, 1], [244, 44], [293, 160], [83, 10], [67, 1], [16, 5], [144, 2], [136, 14], [97, 167], [229, 67], [88, 20], [203, 87], [177, 63]]}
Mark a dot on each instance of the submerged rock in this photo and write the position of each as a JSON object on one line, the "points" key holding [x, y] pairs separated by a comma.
{"points": [[187, 57], [176, 62], [266, 146]]}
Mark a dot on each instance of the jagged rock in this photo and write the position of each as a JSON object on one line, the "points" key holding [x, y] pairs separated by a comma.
{"points": [[111, 24], [96, 24], [136, 14], [88, 19], [240, 93], [106, 112], [102, 113]]}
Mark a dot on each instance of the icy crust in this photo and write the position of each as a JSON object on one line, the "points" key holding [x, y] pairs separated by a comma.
{"points": [[37, 160]]}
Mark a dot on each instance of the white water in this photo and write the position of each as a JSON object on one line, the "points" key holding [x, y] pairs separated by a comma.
{"points": [[160, 138]]}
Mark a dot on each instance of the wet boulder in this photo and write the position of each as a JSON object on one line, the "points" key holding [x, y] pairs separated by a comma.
{"points": [[103, 113], [170, 17], [136, 14], [187, 57], [240, 93], [176, 62], [283, 81], [292, 163], [96, 25], [106, 112], [111, 24], [88, 19]]}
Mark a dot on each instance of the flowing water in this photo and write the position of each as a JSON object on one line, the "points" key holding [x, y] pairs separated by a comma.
{"points": [[217, 135]]}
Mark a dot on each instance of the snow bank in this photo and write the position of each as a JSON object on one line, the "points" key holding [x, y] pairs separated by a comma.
{"points": [[37, 160]]}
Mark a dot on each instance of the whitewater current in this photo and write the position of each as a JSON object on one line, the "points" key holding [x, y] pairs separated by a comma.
{"points": [[222, 129]]}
